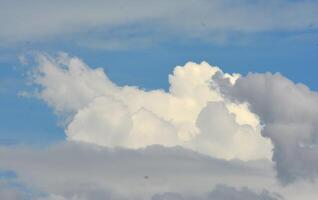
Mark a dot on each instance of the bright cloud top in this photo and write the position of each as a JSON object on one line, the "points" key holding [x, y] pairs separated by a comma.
{"points": [[193, 114], [222, 115]]}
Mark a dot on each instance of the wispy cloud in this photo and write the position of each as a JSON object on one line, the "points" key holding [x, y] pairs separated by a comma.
{"points": [[34, 20]]}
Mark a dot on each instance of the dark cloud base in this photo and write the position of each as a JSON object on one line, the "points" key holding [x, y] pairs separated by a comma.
{"points": [[89, 172]]}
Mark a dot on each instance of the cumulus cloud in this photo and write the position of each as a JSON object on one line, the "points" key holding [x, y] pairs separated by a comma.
{"points": [[289, 113], [227, 134], [192, 114], [223, 115], [20, 20]]}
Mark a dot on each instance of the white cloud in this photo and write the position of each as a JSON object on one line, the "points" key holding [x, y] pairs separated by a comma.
{"points": [[218, 114], [105, 120], [239, 141], [100, 112]]}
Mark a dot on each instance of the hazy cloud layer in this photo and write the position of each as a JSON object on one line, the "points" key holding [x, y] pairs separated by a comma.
{"points": [[9, 193], [89, 172], [35, 20], [75, 171]]}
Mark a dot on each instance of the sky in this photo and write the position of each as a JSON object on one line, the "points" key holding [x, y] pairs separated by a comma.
{"points": [[158, 99]]}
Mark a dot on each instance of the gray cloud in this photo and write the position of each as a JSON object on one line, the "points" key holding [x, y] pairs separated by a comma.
{"points": [[220, 192], [75, 171], [289, 113], [34, 19], [9, 193], [223, 192], [9, 189], [84, 171]]}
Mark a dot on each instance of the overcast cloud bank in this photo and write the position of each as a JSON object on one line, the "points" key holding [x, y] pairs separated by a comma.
{"points": [[90, 172], [81, 171]]}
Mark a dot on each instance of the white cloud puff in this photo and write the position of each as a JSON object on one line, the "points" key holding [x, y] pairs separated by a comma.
{"points": [[218, 114], [193, 114]]}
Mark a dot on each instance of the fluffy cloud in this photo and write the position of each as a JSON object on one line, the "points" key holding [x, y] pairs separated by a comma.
{"points": [[289, 113], [20, 20], [192, 114], [206, 110], [104, 119], [227, 134]]}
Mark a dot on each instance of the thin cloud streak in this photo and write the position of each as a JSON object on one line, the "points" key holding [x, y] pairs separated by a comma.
{"points": [[35, 20]]}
